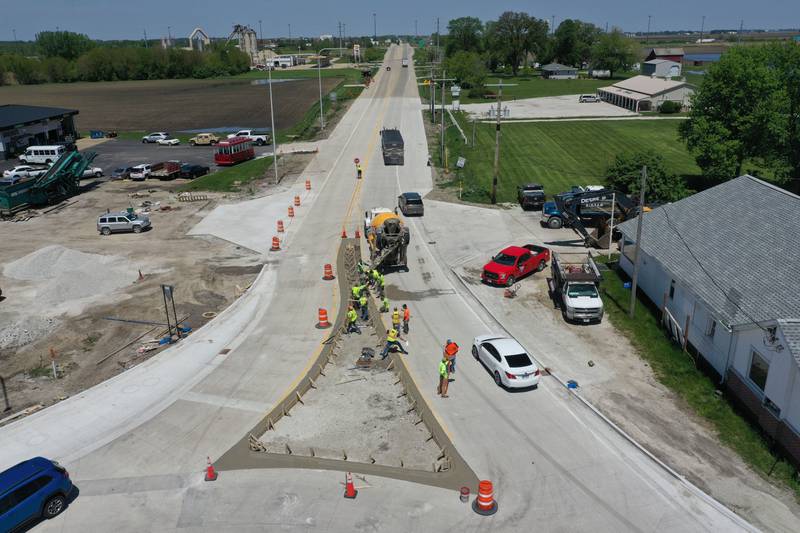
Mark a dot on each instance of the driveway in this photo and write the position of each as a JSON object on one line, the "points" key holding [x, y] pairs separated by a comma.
{"points": [[566, 106]]}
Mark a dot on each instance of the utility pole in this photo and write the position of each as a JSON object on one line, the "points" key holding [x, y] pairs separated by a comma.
{"points": [[497, 135], [553, 25], [647, 39], [611, 229], [169, 35], [741, 28], [438, 52], [290, 32], [145, 40], [444, 79], [702, 27], [606, 27], [260, 33], [375, 26], [416, 33], [642, 186], [272, 122]]}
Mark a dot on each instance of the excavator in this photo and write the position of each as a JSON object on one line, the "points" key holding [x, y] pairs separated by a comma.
{"points": [[593, 209], [388, 239]]}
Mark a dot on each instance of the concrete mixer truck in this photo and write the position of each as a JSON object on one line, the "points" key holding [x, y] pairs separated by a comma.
{"points": [[388, 239]]}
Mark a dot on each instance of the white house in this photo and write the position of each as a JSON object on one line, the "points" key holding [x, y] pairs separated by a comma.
{"points": [[645, 93], [663, 68], [723, 265]]}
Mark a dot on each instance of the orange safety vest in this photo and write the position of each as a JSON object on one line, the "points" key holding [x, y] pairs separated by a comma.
{"points": [[406, 314]]}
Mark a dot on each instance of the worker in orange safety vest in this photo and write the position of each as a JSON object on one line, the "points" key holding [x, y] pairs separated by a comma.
{"points": [[450, 352]]}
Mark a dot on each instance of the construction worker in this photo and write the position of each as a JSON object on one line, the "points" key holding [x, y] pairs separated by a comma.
{"points": [[352, 318], [450, 352], [375, 277], [392, 336], [396, 319], [406, 318], [364, 305], [444, 378], [359, 171], [382, 283], [356, 292], [384, 304]]}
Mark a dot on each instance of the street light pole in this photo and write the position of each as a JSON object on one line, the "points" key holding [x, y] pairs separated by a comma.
{"points": [[272, 121], [497, 136], [319, 78], [638, 245]]}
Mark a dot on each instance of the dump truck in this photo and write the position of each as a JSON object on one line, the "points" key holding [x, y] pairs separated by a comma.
{"points": [[61, 180], [388, 239], [392, 146], [168, 170], [575, 284]]}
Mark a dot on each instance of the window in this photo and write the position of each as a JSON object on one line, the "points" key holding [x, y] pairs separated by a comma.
{"points": [[672, 289], [6, 503], [492, 351], [711, 327], [30, 488], [759, 367], [103, 220], [524, 259]]}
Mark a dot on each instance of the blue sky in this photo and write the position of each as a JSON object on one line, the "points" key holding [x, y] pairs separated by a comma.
{"points": [[109, 19]]}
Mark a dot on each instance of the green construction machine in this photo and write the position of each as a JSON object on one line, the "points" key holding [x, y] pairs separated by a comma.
{"points": [[61, 180]]}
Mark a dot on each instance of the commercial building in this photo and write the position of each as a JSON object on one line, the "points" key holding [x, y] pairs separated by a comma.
{"points": [[663, 68], [556, 71], [25, 125], [670, 54], [723, 286], [646, 93]]}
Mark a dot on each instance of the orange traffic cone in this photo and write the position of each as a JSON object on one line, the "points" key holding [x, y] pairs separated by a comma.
{"points": [[211, 474], [344, 233], [349, 489], [297, 201], [308, 185], [280, 226], [276, 244], [291, 212], [323, 319], [485, 503], [327, 272]]}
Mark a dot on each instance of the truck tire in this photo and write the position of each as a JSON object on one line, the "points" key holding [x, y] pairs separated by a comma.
{"points": [[555, 223], [144, 141], [192, 143], [98, 174], [260, 142]]}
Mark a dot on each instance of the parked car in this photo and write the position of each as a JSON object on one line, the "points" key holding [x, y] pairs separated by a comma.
{"points": [[410, 203], [584, 98], [551, 216], [514, 263], [204, 139], [121, 222], [32, 489], [155, 136], [258, 137], [169, 141], [11, 180], [189, 171], [141, 172], [24, 171], [121, 173], [507, 360], [531, 196], [93, 172]]}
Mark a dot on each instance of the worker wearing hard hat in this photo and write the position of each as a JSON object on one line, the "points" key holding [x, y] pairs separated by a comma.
{"points": [[392, 339], [450, 352], [406, 318], [364, 306], [396, 319], [359, 170], [352, 318]]}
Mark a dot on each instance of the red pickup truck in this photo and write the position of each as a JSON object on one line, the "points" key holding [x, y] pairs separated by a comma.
{"points": [[515, 262]]}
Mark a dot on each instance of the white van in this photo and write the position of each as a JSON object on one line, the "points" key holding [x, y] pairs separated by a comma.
{"points": [[42, 154]]}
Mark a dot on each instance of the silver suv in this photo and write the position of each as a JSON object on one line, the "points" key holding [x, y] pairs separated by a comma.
{"points": [[122, 221]]}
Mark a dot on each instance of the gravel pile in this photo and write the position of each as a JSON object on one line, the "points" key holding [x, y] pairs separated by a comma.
{"points": [[22, 332], [62, 275]]}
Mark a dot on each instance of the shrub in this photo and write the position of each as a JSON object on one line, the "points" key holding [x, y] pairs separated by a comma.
{"points": [[670, 107]]}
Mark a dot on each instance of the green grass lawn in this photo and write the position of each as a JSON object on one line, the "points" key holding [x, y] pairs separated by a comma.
{"points": [[677, 371], [556, 154], [223, 179]]}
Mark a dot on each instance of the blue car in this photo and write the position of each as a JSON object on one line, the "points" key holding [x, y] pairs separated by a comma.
{"points": [[33, 489]]}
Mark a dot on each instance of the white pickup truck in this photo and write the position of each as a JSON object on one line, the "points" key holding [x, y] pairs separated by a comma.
{"points": [[576, 279], [258, 137]]}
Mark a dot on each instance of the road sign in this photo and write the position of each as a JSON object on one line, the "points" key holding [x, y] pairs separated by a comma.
{"points": [[461, 162], [455, 90]]}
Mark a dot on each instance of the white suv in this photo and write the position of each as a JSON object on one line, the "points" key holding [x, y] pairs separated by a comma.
{"points": [[155, 136], [141, 172]]}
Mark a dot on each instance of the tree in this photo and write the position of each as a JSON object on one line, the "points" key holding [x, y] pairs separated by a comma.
{"points": [[64, 44], [625, 175], [465, 34], [468, 68], [513, 36], [740, 112], [613, 52], [573, 41]]}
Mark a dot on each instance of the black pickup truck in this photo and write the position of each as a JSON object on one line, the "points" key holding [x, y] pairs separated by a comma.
{"points": [[531, 196]]}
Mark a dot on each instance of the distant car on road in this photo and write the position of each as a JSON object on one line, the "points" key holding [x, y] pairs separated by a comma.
{"points": [[588, 98], [410, 203], [189, 171], [24, 171], [508, 362], [170, 141], [141, 172], [204, 139], [121, 222], [514, 263], [155, 136], [33, 489], [551, 216], [259, 138], [121, 173]]}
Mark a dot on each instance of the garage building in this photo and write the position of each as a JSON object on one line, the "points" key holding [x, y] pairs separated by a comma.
{"points": [[646, 93], [556, 71], [663, 68], [26, 125]]}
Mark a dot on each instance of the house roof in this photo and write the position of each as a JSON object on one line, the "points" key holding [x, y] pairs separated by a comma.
{"points": [[648, 85], [557, 66], [791, 334], [731, 245], [12, 114], [623, 92], [666, 51], [660, 61]]}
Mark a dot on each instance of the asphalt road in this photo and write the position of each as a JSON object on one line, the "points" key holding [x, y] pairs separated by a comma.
{"points": [[136, 444]]}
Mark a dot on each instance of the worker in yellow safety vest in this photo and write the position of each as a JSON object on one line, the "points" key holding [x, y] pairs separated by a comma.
{"points": [[352, 318], [444, 378], [359, 171], [364, 305], [384, 304], [396, 319], [392, 336]]}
